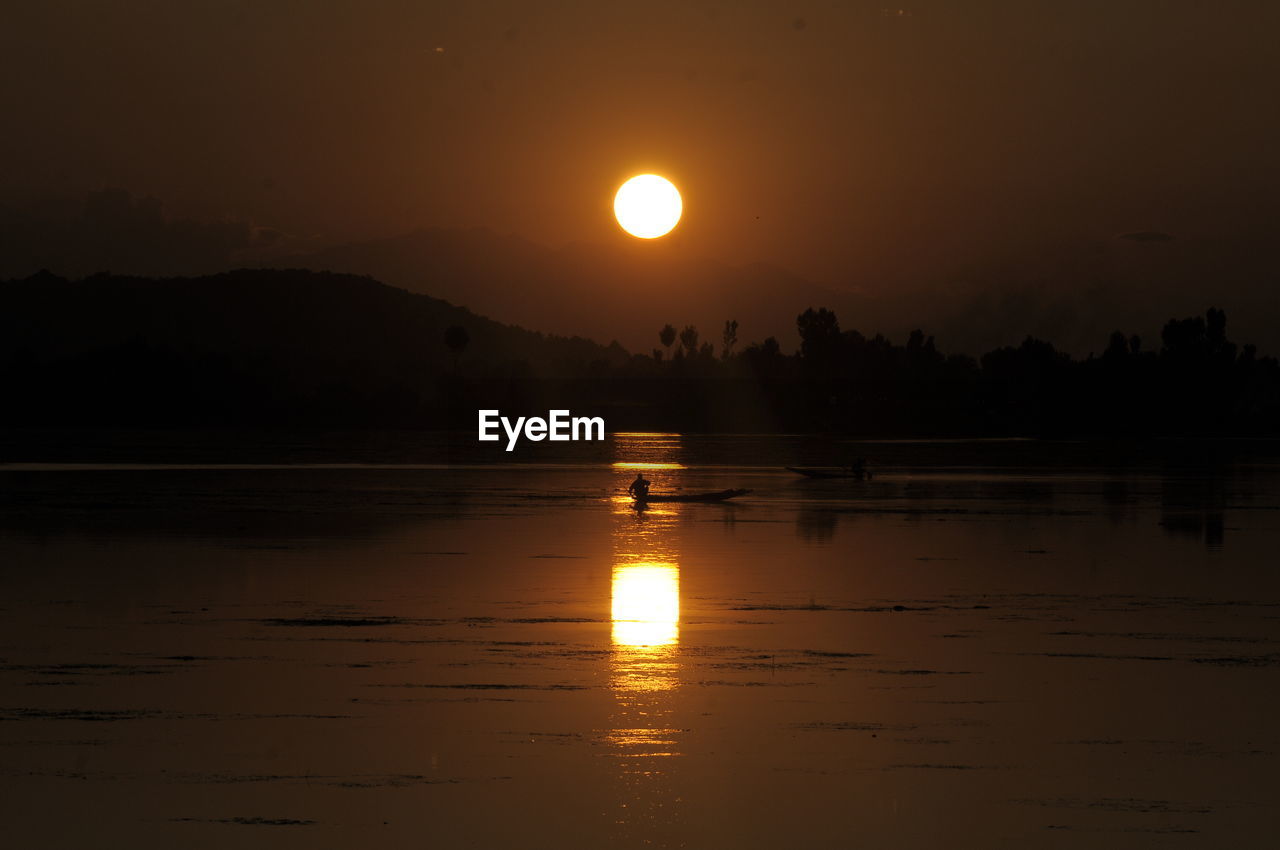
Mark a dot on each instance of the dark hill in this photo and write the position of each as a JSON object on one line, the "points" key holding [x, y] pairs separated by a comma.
{"points": [[284, 344]]}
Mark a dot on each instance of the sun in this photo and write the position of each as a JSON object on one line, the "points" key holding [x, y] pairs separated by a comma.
{"points": [[648, 206]]}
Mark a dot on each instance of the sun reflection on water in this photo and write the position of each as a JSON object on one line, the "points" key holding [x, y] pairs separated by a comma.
{"points": [[646, 605], [644, 678], [658, 452]]}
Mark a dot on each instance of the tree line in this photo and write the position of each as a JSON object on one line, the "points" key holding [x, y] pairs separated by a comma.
{"points": [[307, 349], [1195, 381]]}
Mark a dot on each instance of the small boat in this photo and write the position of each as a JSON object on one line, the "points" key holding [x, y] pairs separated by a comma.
{"points": [[831, 472], [718, 496]]}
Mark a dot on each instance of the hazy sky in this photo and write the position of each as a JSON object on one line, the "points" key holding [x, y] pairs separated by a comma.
{"points": [[858, 144]]}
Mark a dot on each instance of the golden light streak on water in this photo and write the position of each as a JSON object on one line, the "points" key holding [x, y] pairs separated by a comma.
{"points": [[643, 740]]}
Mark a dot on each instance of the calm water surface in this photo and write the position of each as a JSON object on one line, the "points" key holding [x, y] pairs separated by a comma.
{"points": [[490, 656]]}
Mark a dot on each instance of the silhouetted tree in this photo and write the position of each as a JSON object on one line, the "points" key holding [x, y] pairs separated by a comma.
{"points": [[1185, 340], [689, 339], [667, 336], [819, 333], [730, 338], [1216, 331], [765, 358], [1117, 349], [921, 352]]}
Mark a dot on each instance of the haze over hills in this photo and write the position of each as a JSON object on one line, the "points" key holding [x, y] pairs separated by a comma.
{"points": [[624, 292]]}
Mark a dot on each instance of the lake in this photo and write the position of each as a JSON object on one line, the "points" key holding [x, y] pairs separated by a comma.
{"points": [[986, 645]]}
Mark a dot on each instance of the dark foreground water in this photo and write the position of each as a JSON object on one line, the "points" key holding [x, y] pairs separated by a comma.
{"points": [[491, 656]]}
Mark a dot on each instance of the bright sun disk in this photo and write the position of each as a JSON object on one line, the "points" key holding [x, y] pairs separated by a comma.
{"points": [[647, 206]]}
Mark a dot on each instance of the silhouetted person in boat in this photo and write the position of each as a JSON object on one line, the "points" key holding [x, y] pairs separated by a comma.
{"points": [[639, 488]]}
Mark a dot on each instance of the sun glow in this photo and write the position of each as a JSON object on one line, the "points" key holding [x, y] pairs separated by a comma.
{"points": [[648, 206]]}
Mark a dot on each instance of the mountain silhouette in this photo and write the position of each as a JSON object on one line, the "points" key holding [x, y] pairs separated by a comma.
{"points": [[257, 344]]}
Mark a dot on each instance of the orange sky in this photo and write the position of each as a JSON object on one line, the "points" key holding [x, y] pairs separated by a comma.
{"points": [[845, 141]]}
